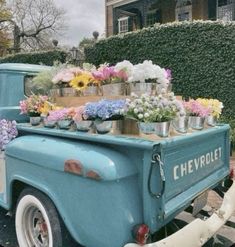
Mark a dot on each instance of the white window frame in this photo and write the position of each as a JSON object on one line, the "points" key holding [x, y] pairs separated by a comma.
{"points": [[182, 10], [120, 20], [229, 7]]}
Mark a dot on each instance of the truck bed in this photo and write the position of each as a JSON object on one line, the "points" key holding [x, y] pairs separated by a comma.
{"points": [[190, 165]]}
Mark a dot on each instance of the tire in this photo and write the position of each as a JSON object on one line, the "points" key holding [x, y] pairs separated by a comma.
{"points": [[37, 221]]}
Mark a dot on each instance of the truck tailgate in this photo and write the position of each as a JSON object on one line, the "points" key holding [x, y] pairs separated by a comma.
{"points": [[192, 166]]}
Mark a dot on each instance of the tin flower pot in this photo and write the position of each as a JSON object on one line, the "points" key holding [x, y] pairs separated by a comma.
{"points": [[48, 123], [196, 123], [180, 124], [146, 128], [83, 125], [115, 89], [211, 120], [64, 124], [112, 126], [55, 92], [90, 91], [140, 88], [35, 120], [162, 129], [68, 92]]}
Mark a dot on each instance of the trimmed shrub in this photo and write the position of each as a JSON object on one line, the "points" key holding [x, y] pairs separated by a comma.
{"points": [[200, 54], [45, 57]]}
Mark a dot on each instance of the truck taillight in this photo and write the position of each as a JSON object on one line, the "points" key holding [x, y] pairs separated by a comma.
{"points": [[232, 173], [141, 233]]}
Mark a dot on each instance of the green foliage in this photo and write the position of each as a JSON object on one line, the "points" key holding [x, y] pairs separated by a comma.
{"points": [[45, 58], [86, 42], [200, 54]]}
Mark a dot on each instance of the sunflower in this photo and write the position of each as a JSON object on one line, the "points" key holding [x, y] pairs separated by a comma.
{"points": [[81, 81]]}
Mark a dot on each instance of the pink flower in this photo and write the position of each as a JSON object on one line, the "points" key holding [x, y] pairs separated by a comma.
{"points": [[194, 108], [79, 114], [63, 76]]}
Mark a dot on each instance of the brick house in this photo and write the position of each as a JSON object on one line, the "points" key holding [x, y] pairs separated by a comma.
{"points": [[129, 15]]}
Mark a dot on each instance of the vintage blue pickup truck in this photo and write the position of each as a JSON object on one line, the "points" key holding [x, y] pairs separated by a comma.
{"points": [[106, 189]]}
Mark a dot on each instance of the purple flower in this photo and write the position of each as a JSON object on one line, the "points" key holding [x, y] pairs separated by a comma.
{"points": [[8, 131]]}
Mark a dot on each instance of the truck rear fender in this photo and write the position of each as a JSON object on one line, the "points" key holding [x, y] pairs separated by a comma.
{"points": [[81, 158]]}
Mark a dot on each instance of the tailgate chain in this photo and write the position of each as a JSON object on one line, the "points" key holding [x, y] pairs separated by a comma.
{"points": [[156, 160]]}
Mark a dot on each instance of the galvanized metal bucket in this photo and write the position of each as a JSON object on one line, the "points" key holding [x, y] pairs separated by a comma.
{"points": [[83, 125], [113, 127], [211, 121], [68, 92], [55, 92], [35, 120], [146, 128], [142, 88], [90, 91], [162, 129], [64, 124], [49, 124], [180, 124], [196, 123], [115, 89]]}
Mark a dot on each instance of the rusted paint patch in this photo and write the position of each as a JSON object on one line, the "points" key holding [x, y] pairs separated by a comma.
{"points": [[93, 175], [73, 166]]}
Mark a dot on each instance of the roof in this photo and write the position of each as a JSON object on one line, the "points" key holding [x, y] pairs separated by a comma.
{"points": [[22, 67]]}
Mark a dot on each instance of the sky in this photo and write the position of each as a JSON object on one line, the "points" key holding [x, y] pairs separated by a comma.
{"points": [[83, 17]]}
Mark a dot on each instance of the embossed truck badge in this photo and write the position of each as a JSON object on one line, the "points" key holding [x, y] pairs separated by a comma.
{"points": [[197, 163]]}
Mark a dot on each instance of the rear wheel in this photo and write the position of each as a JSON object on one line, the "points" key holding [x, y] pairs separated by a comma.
{"points": [[37, 221]]}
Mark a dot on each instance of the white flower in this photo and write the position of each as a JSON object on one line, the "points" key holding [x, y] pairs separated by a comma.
{"points": [[136, 110], [125, 65], [140, 116], [146, 115]]}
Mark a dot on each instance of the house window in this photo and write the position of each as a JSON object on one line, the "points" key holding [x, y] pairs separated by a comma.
{"points": [[123, 24], [183, 11], [151, 18], [225, 10]]}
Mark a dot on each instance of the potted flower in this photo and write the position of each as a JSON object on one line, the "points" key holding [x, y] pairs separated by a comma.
{"points": [[63, 78], [80, 119], [107, 115], [8, 132], [197, 113], [148, 78], [215, 107], [33, 106], [85, 84], [63, 117], [112, 79], [153, 113]]}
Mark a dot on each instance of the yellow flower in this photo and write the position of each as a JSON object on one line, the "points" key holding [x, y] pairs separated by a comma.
{"points": [[81, 81], [47, 106], [213, 104]]}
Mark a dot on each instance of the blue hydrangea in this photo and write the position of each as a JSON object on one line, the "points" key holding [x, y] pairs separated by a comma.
{"points": [[104, 109]]}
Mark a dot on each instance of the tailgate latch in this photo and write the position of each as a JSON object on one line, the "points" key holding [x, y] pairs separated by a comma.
{"points": [[156, 162]]}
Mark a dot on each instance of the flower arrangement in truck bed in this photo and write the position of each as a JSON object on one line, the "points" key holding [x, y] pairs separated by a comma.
{"points": [[34, 105], [8, 132], [61, 114], [105, 110], [214, 105], [106, 74], [148, 109], [143, 72], [196, 109]]}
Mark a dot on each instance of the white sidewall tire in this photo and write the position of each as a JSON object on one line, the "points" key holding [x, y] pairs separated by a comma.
{"points": [[24, 203]]}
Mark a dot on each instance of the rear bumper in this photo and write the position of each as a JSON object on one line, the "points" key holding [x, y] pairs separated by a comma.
{"points": [[198, 232]]}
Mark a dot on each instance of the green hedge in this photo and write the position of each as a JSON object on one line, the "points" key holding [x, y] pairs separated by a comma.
{"points": [[200, 54], [46, 57]]}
